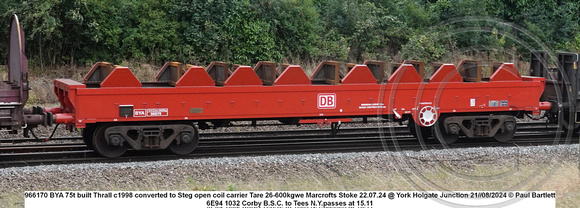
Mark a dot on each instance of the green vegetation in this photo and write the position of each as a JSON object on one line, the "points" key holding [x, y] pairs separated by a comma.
{"points": [[80, 32]]}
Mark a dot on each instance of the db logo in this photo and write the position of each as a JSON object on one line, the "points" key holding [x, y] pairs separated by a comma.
{"points": [[326, 101]]}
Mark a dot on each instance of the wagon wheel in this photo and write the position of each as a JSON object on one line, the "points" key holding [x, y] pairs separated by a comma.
{"points": [[568, 125], [185, 143], [425, 131], [441, 135], [507, 131], [88, 134], [102, 147]]}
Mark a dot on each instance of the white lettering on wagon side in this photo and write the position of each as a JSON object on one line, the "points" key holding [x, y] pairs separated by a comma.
{"points": [[151, 112], [373, 106]]}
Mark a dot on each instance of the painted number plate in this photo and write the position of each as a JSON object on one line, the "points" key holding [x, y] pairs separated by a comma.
{"points": [[151, 112]]}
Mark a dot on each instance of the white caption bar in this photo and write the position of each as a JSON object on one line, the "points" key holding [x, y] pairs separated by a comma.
{"points": [[286, 199]]}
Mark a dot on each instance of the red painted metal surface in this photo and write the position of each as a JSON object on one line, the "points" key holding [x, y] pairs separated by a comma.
{"points": [[121, 77], [545, 105], [293, 75], [64, 118], [63, 88], [506, 72], [446, 73], [195, 76], [244, 75], [293, 97], [406, 73], [359, 74]]}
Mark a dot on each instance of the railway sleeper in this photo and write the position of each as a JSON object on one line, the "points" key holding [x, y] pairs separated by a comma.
{"points": [[501, 127]]}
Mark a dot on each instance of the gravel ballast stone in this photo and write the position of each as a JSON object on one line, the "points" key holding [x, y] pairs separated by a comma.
{"points": [[167, 174]]}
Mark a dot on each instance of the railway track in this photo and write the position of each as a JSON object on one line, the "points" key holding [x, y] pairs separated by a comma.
{"points": [[396, 129], [259, 143]]}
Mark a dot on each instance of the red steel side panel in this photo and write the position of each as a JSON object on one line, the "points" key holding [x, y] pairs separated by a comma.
{"points": [[121, 77], [65, 90], [536, 79], [406, 73], [446, 73], [359, 74], [506, 72], [293, 75], [316, 101], [195, 76], [404, 95], [244, 75]]}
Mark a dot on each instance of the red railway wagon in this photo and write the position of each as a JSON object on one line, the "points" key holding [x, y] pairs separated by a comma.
{"points": [[118, 112]]}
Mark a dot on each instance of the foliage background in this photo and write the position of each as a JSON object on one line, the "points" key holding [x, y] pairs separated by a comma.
{"points": [[80, 32]]}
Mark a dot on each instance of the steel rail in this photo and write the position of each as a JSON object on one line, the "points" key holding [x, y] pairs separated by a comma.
{"points": [[76, 153], [521, 126]]}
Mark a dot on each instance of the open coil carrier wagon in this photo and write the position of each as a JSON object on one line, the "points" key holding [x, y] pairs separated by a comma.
{"points": [[118, 112]]}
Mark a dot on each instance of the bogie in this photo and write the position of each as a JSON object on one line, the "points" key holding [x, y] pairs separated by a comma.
{"points": [[113, 139], [450, 127]]}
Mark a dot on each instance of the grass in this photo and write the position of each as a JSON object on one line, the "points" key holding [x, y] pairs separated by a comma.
{"points": [[564, 179]]}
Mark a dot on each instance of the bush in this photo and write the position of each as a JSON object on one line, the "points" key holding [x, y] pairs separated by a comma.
{"points": [[69, 32]]}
